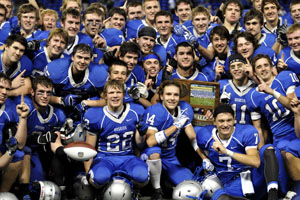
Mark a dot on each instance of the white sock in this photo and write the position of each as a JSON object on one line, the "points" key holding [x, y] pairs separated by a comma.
{"points": [[155, 172]]}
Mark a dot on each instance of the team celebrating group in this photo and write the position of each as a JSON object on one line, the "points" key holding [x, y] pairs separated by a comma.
{"points": [[108, 78]]}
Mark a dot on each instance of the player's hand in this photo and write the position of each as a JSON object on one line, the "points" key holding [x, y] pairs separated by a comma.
{"points": [[106, 22], [71, 100], [281, 34], [109, 56], [84, 180], [218, 146], [207, 165], [263, 87], [181, 120], [219, 69], [142, 89], [225, 97], [12, 145], [19, 81], [81, 107], [99, 42], [281, 65], [295, 105], [48, 137], [22, 108], [134, 93], [178, 30]]}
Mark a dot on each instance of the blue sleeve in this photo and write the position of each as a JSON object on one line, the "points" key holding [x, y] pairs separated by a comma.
{"points": [[91, 119], [203, 134], [27, 65], [154, 116], [99, 75], [251, 137], [61, 116]]}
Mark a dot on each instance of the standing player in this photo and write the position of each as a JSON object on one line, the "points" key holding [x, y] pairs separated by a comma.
{"points": [[112, 129], [163, 123]]}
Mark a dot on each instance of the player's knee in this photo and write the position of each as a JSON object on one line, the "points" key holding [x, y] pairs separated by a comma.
{"points": [[102, 176], [141, 174], [154, 156]]}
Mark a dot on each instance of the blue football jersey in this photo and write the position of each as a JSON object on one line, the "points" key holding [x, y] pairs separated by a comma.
{"points": [[40, 60], [158, 118], [23, 64], [115, 135], [80, 38], [60, 71], [238, 99], [291, 60], [242, 138], [280, 119], [172, 42], [136, 75], [267, 40]]}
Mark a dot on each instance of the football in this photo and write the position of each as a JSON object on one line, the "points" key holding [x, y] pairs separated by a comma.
{"points": [[80, 151]]}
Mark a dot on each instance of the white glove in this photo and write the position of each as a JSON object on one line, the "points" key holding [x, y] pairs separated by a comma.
{"points": [[180, 121], [207, 165], [225, 97], [142, 89], [84, 180]]}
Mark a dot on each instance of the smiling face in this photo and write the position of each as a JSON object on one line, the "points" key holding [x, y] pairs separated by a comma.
{"points": [[294, 40], [270, 12], [150, 9], [164, 25], [263, 69], [184, 12], [13, 53], [117, 21], [114, 98], [49, 22], [245, 47], [135, 12], [71, 25], [42, 95], [118, 72], [201, 23], [146, 43], [151, 67], [295, 13], [224, 123], [184, 57], [131, 59], [8, 6], [237, 71], [28, 22], [56, 46], [81, 61], [170, 97], [219, 44]]}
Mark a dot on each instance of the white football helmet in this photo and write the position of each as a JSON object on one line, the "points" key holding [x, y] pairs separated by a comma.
{"points": [[7, 196], [49, 191], [187, 188], [211, 183], [118, 189]]}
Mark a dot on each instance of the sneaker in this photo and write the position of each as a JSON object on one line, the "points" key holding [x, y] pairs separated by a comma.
{"points": [[157, 194], [273, 194]]}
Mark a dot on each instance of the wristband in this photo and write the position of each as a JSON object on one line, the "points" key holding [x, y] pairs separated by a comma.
{"points": [[229, 153], [62, 101], [194, 144], [276, 94], [160, 137]]}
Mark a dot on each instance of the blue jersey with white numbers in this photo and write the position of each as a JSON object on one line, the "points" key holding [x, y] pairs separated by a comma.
{"points": [[291, 60], [266, 51], [38, 35], [242, 138], [197, 76], [136, 75], [41, 123], [238, 99], [60, 71], [267, 40], [40, 61], [115, 136], [280, 119], [158, 118], [23, 64]]}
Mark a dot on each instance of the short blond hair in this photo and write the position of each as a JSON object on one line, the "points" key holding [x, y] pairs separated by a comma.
{"points": [[49, 12], [65, 3]]}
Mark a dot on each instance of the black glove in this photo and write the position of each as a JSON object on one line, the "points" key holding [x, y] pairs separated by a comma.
{"points": [[48, 137], [166, 75], [109, 56], [134, 93], [281, 34], [33, 45], [172, 61], [12, 145]]}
